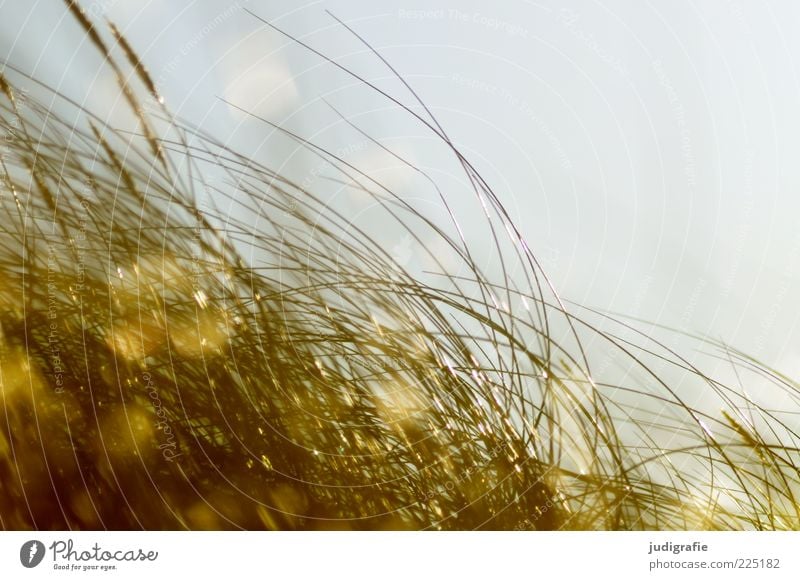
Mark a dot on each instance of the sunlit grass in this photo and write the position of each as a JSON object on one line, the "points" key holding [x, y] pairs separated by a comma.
{"points": [[154, 377]]}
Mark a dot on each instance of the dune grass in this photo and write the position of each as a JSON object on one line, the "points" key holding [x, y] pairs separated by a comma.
{"points": [[168, 365]]}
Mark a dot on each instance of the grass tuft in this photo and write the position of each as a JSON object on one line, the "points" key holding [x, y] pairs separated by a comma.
{"points": [[168, 365]]}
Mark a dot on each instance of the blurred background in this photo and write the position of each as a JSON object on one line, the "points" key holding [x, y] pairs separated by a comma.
{"points": [[646, 150]]}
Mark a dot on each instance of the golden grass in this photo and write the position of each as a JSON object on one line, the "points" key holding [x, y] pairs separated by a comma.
{"points": [[150, 377]]}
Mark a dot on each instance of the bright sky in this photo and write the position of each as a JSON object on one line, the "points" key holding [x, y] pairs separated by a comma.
{"points": [[648, 150]]}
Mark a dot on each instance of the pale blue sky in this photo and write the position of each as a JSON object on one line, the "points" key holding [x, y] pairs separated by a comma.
{"points": [[648, 150]]}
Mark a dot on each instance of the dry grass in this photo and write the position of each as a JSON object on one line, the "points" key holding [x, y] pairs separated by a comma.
{"points": [[152, 377]]}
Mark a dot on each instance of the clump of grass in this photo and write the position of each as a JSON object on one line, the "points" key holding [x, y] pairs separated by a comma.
{"points": [[154, 377]]}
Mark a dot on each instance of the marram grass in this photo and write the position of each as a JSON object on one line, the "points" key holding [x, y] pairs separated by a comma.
{"points": [[165, 365]]}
